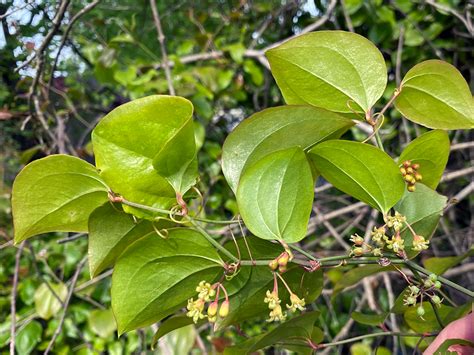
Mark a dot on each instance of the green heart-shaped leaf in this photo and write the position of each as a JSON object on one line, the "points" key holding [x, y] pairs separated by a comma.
{"points": [[110, 233], [360, 170], [435, 94], [336, 70], [176, 158], [423, 209], [431, 151], [275, 196], [154, 277], [128, 142], [275, 129], [56, 193]]}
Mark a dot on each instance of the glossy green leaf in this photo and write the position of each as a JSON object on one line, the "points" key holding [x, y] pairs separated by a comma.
{"points": [[102, 322], [110, 232], [369, 319], [28, 338], [179, 341], [439, 265], [171, 324], [129, 138], [360, 170], [355, 275], [298, 328], [46, 304], [435, 94], [431, 151], [423, 209], [336, 70], [176, 160], [275, 196], [248, 302], [154, 277], [275, 129], [56, 193]]}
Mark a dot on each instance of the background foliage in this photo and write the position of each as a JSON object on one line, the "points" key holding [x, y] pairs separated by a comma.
{"points": [[95, 56]]}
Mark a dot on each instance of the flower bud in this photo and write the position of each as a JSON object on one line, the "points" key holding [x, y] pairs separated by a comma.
{"points": [[224, 310], [415, 166], [407, 163], [411, 188], [436, 300], [282, 268], [410, 170], [273, 264], [283, 259], [420, 311], [357, 251], [410, 301], [212, 309], [418, 177], [433, 277], [403, 171], [437, 285]]}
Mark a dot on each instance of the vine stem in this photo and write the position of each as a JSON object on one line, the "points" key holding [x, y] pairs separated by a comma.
{"points": [[440, 278], [167, 212], [211, 239], [329, 261], [374, 335]]}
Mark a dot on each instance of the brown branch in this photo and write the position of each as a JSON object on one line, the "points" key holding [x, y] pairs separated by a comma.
{"points": [[66, 305], [74, 19], [56, 24], [13, 298], [161, 39]]}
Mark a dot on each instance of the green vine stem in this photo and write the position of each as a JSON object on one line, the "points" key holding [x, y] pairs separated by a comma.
{"points": [[324, 262], [374, 335]]}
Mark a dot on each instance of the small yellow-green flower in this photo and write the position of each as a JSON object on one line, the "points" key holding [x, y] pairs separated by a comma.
{"points": [[195, 309], [396, 222], [272, 299], [277, 314], [396, 243], [420, 243], [378, 236], [205, 291], [357, 239], [296, 303]]}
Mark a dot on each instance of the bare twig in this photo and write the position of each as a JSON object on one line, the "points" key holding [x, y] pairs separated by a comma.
{"points": [[161, 39], [74, 19], [461, 195], [13, 298], [66, 305], [49, 36], [346, 16], [456, 174]]}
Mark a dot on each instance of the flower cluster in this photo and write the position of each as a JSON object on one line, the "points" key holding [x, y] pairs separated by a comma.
{"points": [[416, 293], [410, 174], [274, 302], [280, 262], [205, 292], [276, 312], [388, 237]]}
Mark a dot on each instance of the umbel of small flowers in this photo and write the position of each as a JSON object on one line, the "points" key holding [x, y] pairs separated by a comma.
{"points": [[410, 174], [206, 291], [415, 294], [274, 302], [394, 241]]}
